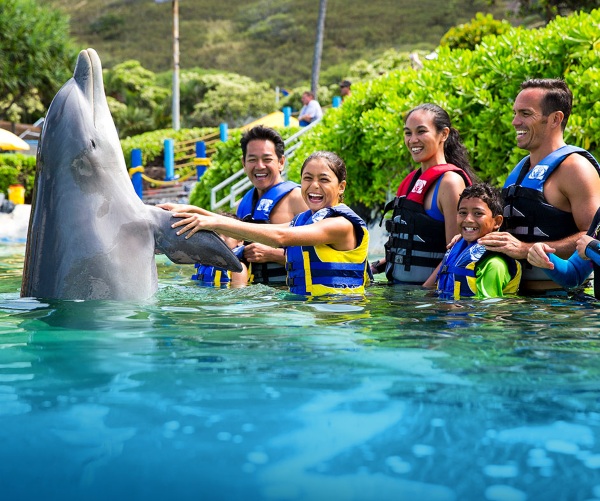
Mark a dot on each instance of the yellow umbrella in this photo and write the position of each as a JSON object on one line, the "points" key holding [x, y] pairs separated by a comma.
{"points": [[275, 119], [9, 141]]}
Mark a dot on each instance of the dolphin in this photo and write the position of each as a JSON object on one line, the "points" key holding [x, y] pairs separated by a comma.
{"points": [[90, 236]]}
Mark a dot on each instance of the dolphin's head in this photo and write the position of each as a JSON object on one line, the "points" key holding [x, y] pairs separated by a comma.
{"points": [[79, 142]]}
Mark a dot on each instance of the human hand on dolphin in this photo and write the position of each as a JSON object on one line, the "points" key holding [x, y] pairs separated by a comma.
{"points": [[183, 208], [193, 219]]}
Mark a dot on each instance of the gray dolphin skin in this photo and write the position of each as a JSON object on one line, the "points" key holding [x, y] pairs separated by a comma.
{"points": [[90, 236]]}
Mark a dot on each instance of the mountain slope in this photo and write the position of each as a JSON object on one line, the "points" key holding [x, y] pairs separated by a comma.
{"points": [[270, 40]]}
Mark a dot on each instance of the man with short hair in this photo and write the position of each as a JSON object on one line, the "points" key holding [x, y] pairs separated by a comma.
{"points": [[271, 200], [552, 195], [311, 111], [345, 90]]}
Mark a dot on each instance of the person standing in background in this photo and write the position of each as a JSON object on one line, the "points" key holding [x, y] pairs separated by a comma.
{"points": [[345, 89]]}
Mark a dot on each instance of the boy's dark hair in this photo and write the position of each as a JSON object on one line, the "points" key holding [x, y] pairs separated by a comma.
{"points": [[490, 195], [262, 133]]}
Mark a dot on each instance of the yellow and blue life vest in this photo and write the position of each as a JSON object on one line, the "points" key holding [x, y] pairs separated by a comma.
{"points": [[457, 277], [320, 269], [211, 276]]}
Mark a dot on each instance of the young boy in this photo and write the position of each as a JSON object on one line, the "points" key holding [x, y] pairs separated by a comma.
{"points": [[220, 277], [468, 270]]}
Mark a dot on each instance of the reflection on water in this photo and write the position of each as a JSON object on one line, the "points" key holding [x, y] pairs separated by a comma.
{"points": [[256, 394]]}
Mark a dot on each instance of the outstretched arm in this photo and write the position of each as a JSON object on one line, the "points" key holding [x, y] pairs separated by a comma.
{"points": [[570, 272], [335, 231]]}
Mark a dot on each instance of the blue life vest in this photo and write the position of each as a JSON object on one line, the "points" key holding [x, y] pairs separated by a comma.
{"points": [[212, 276], [527, 213], [320, 269], [457, 278], [417, 241], [258, 210], [254, 209]]}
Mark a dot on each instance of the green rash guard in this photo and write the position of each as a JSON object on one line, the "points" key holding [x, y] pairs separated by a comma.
{"points": [[492, 276]]}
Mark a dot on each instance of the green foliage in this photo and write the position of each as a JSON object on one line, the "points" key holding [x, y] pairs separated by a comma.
{"points": [[137, 102], [215, 98], [36, 55], [140, 100], [477, 88], [108, 26], [469, 35], [152, 143], [266, 40], [16, 168]]}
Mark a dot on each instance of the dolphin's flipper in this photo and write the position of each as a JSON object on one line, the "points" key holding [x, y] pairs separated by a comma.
{"points": [[204, 247]]}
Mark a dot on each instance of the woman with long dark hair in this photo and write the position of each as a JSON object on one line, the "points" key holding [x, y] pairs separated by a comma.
{"points": [[424, 218]]}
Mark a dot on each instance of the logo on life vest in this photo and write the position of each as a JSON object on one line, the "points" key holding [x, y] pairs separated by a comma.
{"points": [[538, 172], [264, 204], [419, 186]]}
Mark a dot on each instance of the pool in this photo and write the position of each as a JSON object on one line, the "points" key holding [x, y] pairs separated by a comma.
{"points": [[255, 394]]}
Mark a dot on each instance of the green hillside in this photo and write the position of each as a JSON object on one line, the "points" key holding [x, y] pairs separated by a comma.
{"points": [[267, 40]]}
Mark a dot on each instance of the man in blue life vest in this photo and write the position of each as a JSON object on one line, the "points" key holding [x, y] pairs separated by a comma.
{"points": [[552, 194], [271, 200]]}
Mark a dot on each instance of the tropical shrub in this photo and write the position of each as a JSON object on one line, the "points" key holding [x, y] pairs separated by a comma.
{"points": [[16, 168], [230, 98], [36, 54], [477, 87], [152, 143], [469, 35]]}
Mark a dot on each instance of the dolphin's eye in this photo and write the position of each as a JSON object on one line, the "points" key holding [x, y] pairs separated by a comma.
{"points": [[93, 144]]}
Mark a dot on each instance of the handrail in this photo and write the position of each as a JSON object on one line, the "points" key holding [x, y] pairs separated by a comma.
{"points": [[213, 192]]}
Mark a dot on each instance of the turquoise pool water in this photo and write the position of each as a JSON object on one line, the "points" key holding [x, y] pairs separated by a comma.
{"points": [[254, 394]]}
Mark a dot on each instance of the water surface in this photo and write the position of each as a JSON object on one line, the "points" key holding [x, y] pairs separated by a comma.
{"points": [[256, 394]]}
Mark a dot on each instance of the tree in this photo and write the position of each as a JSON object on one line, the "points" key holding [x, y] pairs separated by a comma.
{"points": [[36, 57], [316, 69]]}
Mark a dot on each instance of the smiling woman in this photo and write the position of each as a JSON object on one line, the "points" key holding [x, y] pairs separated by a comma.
{"points": [[424, 218], [326, 246]]}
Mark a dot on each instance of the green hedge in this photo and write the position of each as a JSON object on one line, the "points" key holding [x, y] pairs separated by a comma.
{"points": [[477, 88], [16, 168], [152, 143]]}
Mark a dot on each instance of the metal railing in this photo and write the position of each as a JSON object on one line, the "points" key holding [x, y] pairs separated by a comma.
{"points": [[234, 187]]}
